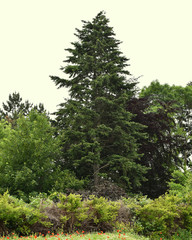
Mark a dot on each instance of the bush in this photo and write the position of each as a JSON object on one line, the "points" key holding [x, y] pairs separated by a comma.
{"points": [[74, 211], [91, 214], [165, 215], [103, 212], [16, 215], [132, 204]]}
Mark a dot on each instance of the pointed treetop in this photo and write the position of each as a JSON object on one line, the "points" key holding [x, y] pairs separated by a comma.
{"points": [[95, 62]]}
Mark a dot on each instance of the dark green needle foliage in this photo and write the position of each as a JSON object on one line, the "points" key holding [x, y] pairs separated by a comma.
{"points": [[100, 138], [15, 106]]}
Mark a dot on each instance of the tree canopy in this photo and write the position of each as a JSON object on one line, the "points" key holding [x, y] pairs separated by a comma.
{"points": [[29, 157], [106, 131], [15, 106]]}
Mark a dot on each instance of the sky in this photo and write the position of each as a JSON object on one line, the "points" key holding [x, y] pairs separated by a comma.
{"points": [[156, 36]]}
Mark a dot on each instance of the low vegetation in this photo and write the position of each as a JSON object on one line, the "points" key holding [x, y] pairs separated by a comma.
{"points": [[167, 217]]}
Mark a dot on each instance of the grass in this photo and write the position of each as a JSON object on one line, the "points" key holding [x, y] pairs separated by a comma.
{"points": [[78, 236], [118, 235]]}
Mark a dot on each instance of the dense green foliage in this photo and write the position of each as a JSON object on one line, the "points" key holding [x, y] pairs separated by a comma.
{"points": [[159, 149], [15, 106], [29, 157], [16, 215], [170, 212], [91, 214], [104, 131], [164, 217], [107, 132], [100, 138], [170, 141], [180, 99], [69, 213]]}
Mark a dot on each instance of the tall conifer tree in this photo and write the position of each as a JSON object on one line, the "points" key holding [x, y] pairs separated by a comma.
{"points": [[99, 135]]}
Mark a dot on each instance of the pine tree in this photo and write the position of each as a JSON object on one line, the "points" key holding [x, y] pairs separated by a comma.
{"points": [[100, 138], [15, 106]]}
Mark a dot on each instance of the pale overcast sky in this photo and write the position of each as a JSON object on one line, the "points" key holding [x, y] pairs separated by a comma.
{"points": [[156, 36]]}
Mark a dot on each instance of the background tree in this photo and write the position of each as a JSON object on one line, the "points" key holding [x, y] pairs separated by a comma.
{"points": [[100, 138], [160, 148], [15, 106], [180, 98]]}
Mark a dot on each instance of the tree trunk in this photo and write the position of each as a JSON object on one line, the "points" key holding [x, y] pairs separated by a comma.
{"points": [[95, 174]]}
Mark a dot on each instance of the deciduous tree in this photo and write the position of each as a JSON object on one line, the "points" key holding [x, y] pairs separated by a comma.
{"points": [[29, 157]]}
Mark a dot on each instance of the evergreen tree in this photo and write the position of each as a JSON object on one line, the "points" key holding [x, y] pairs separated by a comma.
{"points": [[15, 106], [100, 138]]}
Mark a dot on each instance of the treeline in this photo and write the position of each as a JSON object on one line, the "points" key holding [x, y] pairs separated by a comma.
{"points": [[106, 131]]}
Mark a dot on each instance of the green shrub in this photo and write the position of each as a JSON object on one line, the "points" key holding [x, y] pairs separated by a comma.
{"points": [[165, 215], [16, 215], [136, 202], [103, 210], [74, 210], [95, 211]]}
